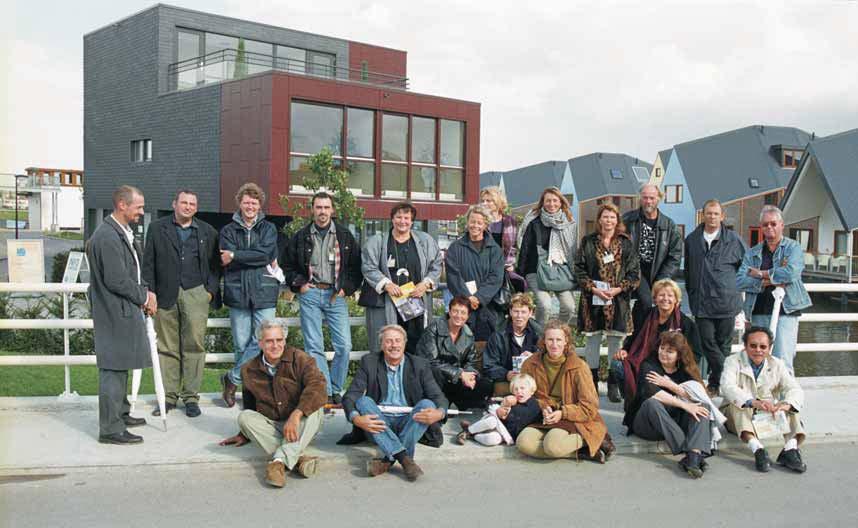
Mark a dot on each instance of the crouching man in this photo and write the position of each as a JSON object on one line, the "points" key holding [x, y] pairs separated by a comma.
{"points": [[755, 383], [284, 393], [385, 382]]}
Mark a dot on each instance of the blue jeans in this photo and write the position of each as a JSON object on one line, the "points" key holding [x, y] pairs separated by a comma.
{"points": [[785, 338], [244, 322], [402, 431], [314, 304]]}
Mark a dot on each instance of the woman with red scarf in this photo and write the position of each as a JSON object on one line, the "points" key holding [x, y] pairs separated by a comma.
{"points": [[643, 342]]}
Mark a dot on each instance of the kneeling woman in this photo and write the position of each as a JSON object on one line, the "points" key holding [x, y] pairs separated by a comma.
{"points": [[571, 425], [661, 409]]}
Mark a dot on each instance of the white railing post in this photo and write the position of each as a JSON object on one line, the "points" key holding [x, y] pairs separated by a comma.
{"points": [[67, 395]]}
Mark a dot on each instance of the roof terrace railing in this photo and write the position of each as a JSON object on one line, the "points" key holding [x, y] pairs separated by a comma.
{"points": [[230, 64]]}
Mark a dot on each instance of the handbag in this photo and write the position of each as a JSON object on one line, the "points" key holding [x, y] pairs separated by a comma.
{"points": [[552, 277], [369, 298], [504, 295]]}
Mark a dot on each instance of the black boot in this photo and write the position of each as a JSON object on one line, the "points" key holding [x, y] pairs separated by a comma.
{"points": [[595, 373], [613, 388]]}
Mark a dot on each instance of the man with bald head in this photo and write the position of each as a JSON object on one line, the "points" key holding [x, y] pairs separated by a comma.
{"points": [[658, 242]]}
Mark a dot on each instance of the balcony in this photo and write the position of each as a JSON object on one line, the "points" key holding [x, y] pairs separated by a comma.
{"points": [[230, 64]]}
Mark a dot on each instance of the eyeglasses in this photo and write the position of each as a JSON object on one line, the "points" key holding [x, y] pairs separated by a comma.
{"points": [[770, 224]]}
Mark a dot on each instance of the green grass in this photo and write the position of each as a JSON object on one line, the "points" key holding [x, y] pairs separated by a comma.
{"points": [[65, 235], [50, 381], [7, 214]]}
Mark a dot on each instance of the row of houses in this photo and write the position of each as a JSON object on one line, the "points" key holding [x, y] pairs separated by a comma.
{"points": [[812, 178]]}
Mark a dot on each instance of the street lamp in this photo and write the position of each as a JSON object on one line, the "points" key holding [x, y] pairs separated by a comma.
{"points": [[16, 202]]}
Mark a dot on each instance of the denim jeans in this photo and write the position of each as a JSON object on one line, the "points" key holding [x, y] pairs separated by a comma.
{"points": [[402, 432], [244, 322], [785, 338], [315, 304]]}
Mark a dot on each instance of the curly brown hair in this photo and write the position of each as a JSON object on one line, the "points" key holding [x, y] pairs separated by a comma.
{"points": [[556, 324], [676, 341]]}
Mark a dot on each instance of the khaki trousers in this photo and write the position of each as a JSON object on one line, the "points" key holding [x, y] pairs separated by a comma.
{"points": [[181, 333], [269, 434], [553, 443], [740, 419]]}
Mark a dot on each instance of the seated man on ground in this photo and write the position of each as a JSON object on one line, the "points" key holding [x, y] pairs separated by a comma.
{"points": [[757, 387], [393, 399], [503, 422], [448, 345], [284, 393], [510, 345]]}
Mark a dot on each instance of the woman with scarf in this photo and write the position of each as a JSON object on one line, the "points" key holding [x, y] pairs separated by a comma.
{"points": [[607, 271], [662, 408], [571, 426], [551, 235], [643, 342], [504, 230]]}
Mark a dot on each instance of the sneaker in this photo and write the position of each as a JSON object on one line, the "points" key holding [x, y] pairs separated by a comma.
{"points": [[791, 459], [378, 466], [762, 461], [411, 469], [275, 474], [692, 465], [307, 466], [614, 393]]}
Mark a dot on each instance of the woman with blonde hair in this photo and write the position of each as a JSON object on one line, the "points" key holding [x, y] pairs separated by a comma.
{"points": [[608, 271], [549, 242], [504, 230]]}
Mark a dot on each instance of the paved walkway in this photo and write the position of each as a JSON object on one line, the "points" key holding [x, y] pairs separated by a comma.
{"points": [[42, 435]]}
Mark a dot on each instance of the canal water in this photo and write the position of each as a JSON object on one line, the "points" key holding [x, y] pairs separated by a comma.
{"points": [[828, 363]]}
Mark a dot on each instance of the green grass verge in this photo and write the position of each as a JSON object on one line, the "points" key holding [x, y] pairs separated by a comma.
{"points": [[65, 235], [50, 381]]}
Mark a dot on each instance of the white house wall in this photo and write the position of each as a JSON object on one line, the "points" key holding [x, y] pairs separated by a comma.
{"points": [[808, 197]]}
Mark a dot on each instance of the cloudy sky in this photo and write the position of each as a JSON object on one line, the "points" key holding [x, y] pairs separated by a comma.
{"points": [[556, 79]]}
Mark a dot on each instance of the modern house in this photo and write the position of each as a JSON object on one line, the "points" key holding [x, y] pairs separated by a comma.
{"points": [[744, 169], [657, 176], [179, 98], [55, 199], [586, 181], [820, 205]]}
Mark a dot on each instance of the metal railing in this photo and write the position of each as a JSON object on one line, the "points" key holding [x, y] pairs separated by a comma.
{"points": [[66, 324], [230, 64]]}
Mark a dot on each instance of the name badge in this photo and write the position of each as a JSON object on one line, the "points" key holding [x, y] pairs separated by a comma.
{"points": [[607, 258], [331, 256], [391, 262]]}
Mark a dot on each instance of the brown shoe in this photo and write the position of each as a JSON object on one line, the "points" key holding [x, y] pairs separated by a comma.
{"points": [[275, 474], [307, 466], [378, 466], [228, 390], [411, 469], [464, 424], [462, 437]]}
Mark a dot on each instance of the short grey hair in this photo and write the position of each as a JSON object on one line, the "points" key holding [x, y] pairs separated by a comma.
{"points": [[480, 210], [268, 324], [643, 187], [391, 327], [771, 210]]}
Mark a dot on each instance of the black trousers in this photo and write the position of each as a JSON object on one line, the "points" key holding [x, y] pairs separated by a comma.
{"points": [[644, 299], [654, 422], [466, 398], [716, 336], [112, 401]]}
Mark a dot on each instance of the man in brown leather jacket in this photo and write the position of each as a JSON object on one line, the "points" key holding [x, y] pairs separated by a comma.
{"points": [[284, 395]]}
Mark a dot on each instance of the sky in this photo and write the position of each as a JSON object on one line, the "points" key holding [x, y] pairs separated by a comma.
{"points": [[555, 79]]}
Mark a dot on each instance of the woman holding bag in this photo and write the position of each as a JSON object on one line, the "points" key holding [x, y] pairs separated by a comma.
{"points": [[547, 255]]}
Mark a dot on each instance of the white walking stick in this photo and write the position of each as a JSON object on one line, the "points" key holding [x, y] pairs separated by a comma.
{"points": [[156, 372], [778, 294]]}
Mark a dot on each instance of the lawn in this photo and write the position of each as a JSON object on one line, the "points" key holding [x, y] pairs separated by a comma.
{"points": [[49, 381], [9, 214]]}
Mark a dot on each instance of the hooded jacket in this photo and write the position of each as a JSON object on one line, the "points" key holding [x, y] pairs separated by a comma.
{"points": [[245, 281]]}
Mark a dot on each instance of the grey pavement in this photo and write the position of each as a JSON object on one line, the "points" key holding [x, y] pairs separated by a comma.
{"points": [[630, 490], [41, 435]]}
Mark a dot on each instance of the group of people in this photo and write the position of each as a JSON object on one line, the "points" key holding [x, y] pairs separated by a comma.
{"points": [[495, 351]]}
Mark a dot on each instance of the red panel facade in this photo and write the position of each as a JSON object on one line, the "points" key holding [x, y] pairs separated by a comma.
{"points": [[379, 60], [260, 106]]}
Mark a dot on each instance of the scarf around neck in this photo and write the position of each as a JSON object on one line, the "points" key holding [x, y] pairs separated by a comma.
{"points": [[643, 346], [562, 239]]}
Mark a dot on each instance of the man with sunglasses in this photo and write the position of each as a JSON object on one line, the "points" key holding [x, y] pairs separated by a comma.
{"points": [[776, 261]]}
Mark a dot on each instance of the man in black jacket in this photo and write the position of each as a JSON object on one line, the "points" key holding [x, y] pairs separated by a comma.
{"points": [[322, 266], [510, 346], [182, 265], [248, 254], [658, 241], [713, 255], [394, 379]]}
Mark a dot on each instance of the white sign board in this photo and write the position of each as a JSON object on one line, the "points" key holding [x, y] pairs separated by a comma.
{"points": [[26, 260], [73, 266]]}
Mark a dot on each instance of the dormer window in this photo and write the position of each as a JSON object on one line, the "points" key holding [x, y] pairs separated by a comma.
{"points": [[791, 158], [616, 174]]}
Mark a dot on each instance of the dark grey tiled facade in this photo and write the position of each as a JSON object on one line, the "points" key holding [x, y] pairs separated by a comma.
{"points": [[126, 97]]}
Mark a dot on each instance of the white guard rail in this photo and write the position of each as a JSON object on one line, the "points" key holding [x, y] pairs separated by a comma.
{"points": [[66, 324]]}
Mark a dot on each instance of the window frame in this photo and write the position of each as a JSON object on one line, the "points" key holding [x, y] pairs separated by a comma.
{"points": [[673, 194]]}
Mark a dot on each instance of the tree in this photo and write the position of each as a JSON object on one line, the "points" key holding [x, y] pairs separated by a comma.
{"points": [[240, 61], [324, 176]]}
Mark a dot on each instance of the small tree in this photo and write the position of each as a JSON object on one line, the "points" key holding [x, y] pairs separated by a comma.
{"points": [[240, 61], [324, 176]]}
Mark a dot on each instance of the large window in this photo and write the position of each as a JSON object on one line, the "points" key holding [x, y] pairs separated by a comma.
{"points": [[673, 194], [452, 143], [804, 237], [190, 47], [141, 150], [361, 133], [218, 68], [394, 137], [423, 140], [841, 243]]}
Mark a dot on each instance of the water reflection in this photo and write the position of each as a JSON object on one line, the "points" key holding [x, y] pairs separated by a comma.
{"points": [[828, 363]]}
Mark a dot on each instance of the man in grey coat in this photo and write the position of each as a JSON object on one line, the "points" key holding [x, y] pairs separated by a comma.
{"points": [[118, 300], [391, 260]]}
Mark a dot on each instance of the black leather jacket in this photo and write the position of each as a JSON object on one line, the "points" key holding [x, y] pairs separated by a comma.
{"points": [[448, 359], [668, 244]]}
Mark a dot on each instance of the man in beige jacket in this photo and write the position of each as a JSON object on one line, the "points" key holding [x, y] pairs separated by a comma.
{"points": [[755, 384]]}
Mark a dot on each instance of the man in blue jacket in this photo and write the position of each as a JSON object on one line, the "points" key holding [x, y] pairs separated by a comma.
{"points": [[776, 261], [248, 245], [713, 255]]}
